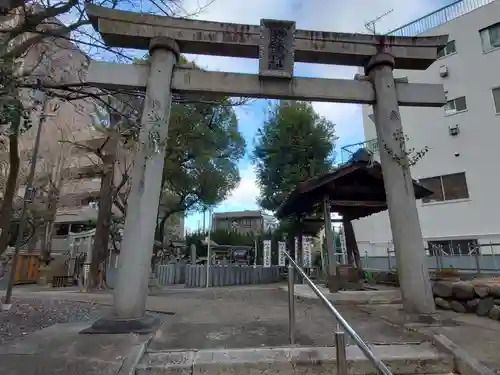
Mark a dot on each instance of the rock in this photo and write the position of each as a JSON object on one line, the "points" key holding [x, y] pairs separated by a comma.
{"points": [[458, 306], [472, 305], [463, 291], [484, 306], [495, 291], [494, 313], [442, 289], [482, 290], [442, 303]]}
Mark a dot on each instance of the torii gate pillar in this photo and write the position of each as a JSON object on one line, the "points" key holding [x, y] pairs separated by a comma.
{"points": [[405, 225], [137, 245]]}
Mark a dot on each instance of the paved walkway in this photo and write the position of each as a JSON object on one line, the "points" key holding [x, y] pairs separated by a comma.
{"points": [[236, 317]]}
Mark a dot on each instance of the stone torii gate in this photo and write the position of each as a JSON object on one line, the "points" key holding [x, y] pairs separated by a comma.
{"points": [[278, 45]]}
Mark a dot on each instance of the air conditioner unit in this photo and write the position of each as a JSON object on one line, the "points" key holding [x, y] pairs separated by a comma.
{"points": [[454, 130], [443, 71]]}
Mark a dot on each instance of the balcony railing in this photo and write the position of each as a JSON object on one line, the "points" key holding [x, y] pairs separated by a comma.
{"points": [[439, 17], [346, 152]]}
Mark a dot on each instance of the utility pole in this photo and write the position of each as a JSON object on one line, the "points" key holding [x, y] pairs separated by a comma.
{"points": [[28, 198], [209, 247]]}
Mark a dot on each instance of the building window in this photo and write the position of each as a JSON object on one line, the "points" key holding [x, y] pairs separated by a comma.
{"points": [[496, 99], [455, 106], [490, 37], [61, 229], [448, 49], [446, 188], [453, 247], [81, 227]]}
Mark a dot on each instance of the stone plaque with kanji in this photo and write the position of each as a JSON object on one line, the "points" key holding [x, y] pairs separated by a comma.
{"points": [[276, 48]]}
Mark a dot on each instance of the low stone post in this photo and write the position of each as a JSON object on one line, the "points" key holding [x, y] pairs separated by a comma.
{"points": [[193, 254], [405, 225]]}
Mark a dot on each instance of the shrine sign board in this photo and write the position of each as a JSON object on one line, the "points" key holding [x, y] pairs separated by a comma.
{"points": [[276, 57]]}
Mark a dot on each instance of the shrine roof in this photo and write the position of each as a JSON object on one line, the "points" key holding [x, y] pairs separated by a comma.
{"points": [[355, 189]]}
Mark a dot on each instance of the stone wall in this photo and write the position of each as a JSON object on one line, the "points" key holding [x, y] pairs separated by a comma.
{"points": [[481, 298]]}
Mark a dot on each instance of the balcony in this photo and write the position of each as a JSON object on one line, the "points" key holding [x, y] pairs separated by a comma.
{"points": [[346, 152], [439, 17]]}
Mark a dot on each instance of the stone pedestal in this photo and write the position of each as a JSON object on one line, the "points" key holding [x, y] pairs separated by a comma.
{"points": [[153, 283], [333, 283], [348, 277], [44, 275]]}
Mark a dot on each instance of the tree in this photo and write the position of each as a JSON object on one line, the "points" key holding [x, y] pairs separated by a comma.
{"points": [[295, 143], [203, 149], [14, 118]]}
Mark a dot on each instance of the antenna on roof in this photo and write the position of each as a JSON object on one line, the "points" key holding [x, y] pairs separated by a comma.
{"points": [[370, 26]]}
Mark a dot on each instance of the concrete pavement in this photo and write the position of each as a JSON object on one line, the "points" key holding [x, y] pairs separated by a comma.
{"points": [[59, 349], [227, 319]]}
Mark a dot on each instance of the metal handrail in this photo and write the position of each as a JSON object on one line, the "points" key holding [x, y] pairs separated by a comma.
{"points": [[339, 335]]}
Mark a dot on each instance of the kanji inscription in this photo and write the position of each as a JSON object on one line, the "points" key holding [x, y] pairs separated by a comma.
{"points": [[276, 48]]}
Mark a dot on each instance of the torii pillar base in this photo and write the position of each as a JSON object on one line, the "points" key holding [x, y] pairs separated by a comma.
{"points": [[144, 325]]}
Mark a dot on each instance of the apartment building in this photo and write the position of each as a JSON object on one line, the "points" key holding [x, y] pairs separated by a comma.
{"points": [[461, 165], [244, 221]]}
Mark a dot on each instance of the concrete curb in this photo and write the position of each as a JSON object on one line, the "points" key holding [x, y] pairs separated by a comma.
{"points": [[401, 359], [464, 363], [131, 362], [345, 298]]}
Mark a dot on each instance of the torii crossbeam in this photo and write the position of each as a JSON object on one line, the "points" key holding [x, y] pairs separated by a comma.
{"points": [[278, 45], [195, 81]]}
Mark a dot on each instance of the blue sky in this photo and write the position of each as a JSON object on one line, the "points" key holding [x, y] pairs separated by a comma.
{"points": [[323, 15]]}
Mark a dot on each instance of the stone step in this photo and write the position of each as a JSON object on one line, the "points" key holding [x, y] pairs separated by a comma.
{"points": [[401, 359]]}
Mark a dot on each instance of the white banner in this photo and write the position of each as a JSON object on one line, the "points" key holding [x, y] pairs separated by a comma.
{"points": [[306, 248], [281, 253], [296, 258], [267, 253]]}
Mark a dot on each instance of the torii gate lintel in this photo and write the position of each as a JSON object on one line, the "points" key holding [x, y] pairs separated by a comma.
{"points": [[128, 29]]}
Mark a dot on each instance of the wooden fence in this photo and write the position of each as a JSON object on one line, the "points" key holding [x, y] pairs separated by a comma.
{"points": [[195, 276]]}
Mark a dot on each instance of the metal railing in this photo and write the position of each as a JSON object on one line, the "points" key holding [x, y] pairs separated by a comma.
{"points": [[347, 151], [340, 341], [475, 258], [439, 17]]}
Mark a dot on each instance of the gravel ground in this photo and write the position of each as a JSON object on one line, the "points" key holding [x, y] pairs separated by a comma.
{"points": [[28, 315]]}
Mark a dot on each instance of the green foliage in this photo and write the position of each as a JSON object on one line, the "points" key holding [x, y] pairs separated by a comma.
{"points": [[203, 148], [294, 144], [234, 238]]}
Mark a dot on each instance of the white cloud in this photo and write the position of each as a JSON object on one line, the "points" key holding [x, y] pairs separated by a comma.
{"points": [[246, 193]]}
